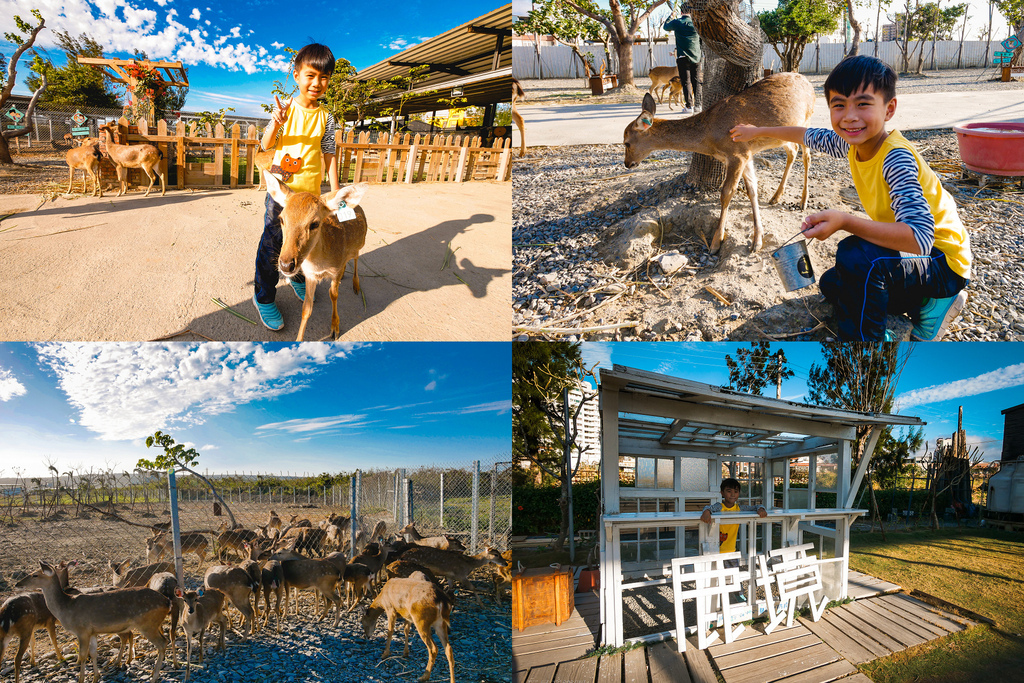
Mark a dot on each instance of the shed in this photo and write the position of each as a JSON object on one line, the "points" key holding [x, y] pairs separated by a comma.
{"points": [[677, 436], [1013, 433]]}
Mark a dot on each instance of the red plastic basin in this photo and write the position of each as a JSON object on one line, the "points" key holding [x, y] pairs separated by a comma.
{"points": [[993, 148]]}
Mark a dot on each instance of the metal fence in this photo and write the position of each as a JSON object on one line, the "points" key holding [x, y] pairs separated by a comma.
{"points": [[96, 518], [558, 61]]}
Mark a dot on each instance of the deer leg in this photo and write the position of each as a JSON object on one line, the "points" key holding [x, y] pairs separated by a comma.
{"points": [[807, 166], [307, 306], [155, 634], [71, 175], [163, 181], [22, 646], [424, 631], [790, 158], [387, 639], [122, 179], [442, 634], [732, 179], [405, 651], [355, 274], [335, 320], [95, 663], [750, 180], [518, 118], [52, 629]]}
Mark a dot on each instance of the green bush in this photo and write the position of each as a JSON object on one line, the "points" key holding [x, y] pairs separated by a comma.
{"points": [[535, 509]]}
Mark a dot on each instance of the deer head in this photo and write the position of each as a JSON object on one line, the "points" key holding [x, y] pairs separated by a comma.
{"points": [[303, 214]]}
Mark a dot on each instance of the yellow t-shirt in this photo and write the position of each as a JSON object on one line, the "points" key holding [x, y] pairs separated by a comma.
{"points": [[298, 148], [727, 532], [950, 235]]}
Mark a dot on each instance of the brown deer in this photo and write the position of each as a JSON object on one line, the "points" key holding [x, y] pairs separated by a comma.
{"points": [[785, 99], [146, 157], [519, 94], [675, 92], [322, 575], [238, 586], [200, 610], [253, 566], [440, 542], [419, 602], [122, 577], [161, 544], [87, 157], [233, 539], [263, 160], [661, 77], [272, 581], [20, 616], [456, 567], [89, 615], [316, 242]]}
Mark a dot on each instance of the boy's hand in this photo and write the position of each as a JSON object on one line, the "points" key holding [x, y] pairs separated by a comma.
{"points": [[761, 512], [706, 517], [743, 132], [280, 112], [823, 224]]}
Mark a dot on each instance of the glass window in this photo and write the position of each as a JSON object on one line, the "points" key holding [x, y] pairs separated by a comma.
{"points": [[827, 472]]}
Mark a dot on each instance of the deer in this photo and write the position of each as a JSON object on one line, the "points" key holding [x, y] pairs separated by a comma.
{"points": [[319, 244], [263, 160], [661, 77], [146, 157], [419, 602], [362, 571], [162, 543], [272, 581], [440, 542], [122, 577], [234, 539], [519, 94], [322, 575], [21, 615], [87, 157], [200, 610], [166, 584], [254, 568], [273, 521], [296, 522], [675, 92], [784, 99], [456, 567], [238, 586], [88, 615]]}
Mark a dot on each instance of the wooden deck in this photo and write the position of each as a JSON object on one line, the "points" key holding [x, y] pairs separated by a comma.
{"points": [[866, 586], [547, 645], [657, 663]]}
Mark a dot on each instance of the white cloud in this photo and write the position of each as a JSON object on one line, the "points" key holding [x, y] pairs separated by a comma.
{"points": [[10, 387], [236, 32], [162, 3], [598, 353], [1003, 378], [314, 424], [396, 44], [128, 391], [209, 447], [430, 387], [499, 407], [195, 13], [276, 45]]}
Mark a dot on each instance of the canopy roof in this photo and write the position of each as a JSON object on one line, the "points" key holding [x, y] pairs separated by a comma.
{"points": [[476, 56]]}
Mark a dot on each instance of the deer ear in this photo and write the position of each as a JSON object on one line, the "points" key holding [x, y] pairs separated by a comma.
{"points": [[277, 189], [350, 194]]}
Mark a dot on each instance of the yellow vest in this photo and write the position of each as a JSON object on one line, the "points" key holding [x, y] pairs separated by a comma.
{"points": [[300, 140], [950, 235], [727, 532]]}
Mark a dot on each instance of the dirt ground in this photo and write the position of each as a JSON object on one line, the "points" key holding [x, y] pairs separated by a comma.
{"points": [[136, 268]]}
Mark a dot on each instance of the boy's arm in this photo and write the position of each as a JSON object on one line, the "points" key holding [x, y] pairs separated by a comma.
{"points": [[705, 515], [332, 171], [277, 118], [327, 150], [761, 510]]}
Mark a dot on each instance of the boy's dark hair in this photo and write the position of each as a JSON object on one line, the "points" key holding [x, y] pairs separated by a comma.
{"points": [[730, 483], [859, 72], [315, 55]]}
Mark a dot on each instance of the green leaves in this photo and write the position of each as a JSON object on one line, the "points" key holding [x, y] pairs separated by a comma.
{"points": [[174, 455], [757, 367]]}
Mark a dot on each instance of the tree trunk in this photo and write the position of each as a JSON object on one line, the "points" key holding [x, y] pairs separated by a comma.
{"points": [[855, 25]]}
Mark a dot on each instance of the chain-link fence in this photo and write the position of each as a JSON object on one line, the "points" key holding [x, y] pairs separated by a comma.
{"points": [[96, 518]]}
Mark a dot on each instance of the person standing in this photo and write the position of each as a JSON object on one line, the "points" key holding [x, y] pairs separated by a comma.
{"points": [[687, 57]]}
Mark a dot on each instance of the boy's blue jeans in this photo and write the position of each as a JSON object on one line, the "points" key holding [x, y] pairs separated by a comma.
{"points": [[267, 274], [870, 281]]}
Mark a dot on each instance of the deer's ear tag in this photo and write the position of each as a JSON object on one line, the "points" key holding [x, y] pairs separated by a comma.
{"points": [[644, 123], [345, 213]]}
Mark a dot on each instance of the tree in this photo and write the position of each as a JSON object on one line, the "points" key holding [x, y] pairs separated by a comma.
{"points": [[1013, 11], [542, 374], [793, 24], [926, 21], [568, 27], [756, 367], [181, 458], [622, 22], [855, 25], [22, 44], [73, 85]]}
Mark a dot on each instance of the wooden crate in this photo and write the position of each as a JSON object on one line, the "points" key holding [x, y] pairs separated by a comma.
{"points": [[541, 596]]}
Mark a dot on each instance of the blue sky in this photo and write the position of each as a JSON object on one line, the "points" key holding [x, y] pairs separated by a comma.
{"points": [[234, 52], [985, 378], [270, 408]]}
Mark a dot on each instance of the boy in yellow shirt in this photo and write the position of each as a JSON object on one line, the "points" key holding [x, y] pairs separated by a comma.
{"points": [[305, 147], [727, 532], [912, 255]]}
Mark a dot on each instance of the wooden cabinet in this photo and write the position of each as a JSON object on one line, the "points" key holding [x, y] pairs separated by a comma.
{"points": [[541, 596]]}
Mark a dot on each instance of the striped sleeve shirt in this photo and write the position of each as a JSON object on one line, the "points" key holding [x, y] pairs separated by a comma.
{"points": [[899, 168], [327, 144]]}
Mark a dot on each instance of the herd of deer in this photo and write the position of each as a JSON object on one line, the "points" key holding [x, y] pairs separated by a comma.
{"points": [[408, 576], [87, 156]]}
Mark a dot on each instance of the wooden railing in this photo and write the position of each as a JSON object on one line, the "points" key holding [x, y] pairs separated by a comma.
{"points": [[422, 158], [402, 159]]}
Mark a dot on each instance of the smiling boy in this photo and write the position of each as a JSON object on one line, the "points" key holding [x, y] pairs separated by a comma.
{"points": [[304, 149], [913, 254]]}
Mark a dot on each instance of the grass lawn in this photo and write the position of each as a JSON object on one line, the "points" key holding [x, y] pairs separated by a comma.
{"points": [[978, 569]]}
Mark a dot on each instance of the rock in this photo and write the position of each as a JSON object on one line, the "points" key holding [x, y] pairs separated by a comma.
{"points": [[671, 261]]}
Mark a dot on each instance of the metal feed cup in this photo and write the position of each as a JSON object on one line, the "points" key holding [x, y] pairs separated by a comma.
{"points": [[793, 264]]}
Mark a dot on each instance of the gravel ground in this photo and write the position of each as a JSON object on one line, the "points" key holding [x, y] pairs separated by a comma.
{"points": [[570, 204]]}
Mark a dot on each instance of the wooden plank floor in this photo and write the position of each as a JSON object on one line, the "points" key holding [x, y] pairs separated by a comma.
{"points": [[866, 586], [656, 663]]}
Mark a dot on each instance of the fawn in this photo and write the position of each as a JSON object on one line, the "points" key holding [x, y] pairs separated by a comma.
{"points": [[146, 157], [87, 157], [661, 77]]}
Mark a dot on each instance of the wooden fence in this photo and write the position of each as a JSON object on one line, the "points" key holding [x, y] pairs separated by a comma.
{"points": [[200, 160], [422, 158]]}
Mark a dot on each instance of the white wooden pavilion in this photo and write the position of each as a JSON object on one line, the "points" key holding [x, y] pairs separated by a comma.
{"points": [[665, 444]]}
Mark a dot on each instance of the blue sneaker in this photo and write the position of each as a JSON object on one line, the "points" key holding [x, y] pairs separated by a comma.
{"points": [[270, 315], [936, 315], [299, 288]]}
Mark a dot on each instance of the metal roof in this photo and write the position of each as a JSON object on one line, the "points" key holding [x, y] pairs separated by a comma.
{"points": [[702, 432], [476, 56]]}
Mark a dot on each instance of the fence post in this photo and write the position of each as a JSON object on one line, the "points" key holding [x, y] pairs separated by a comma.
{"points": [[409, 499], [440, 521], [172, 488], [353, 518], [476, 507], [494, 492], [403, 511]]}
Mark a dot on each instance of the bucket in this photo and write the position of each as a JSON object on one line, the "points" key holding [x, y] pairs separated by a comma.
{"points": [[793, 264]]}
